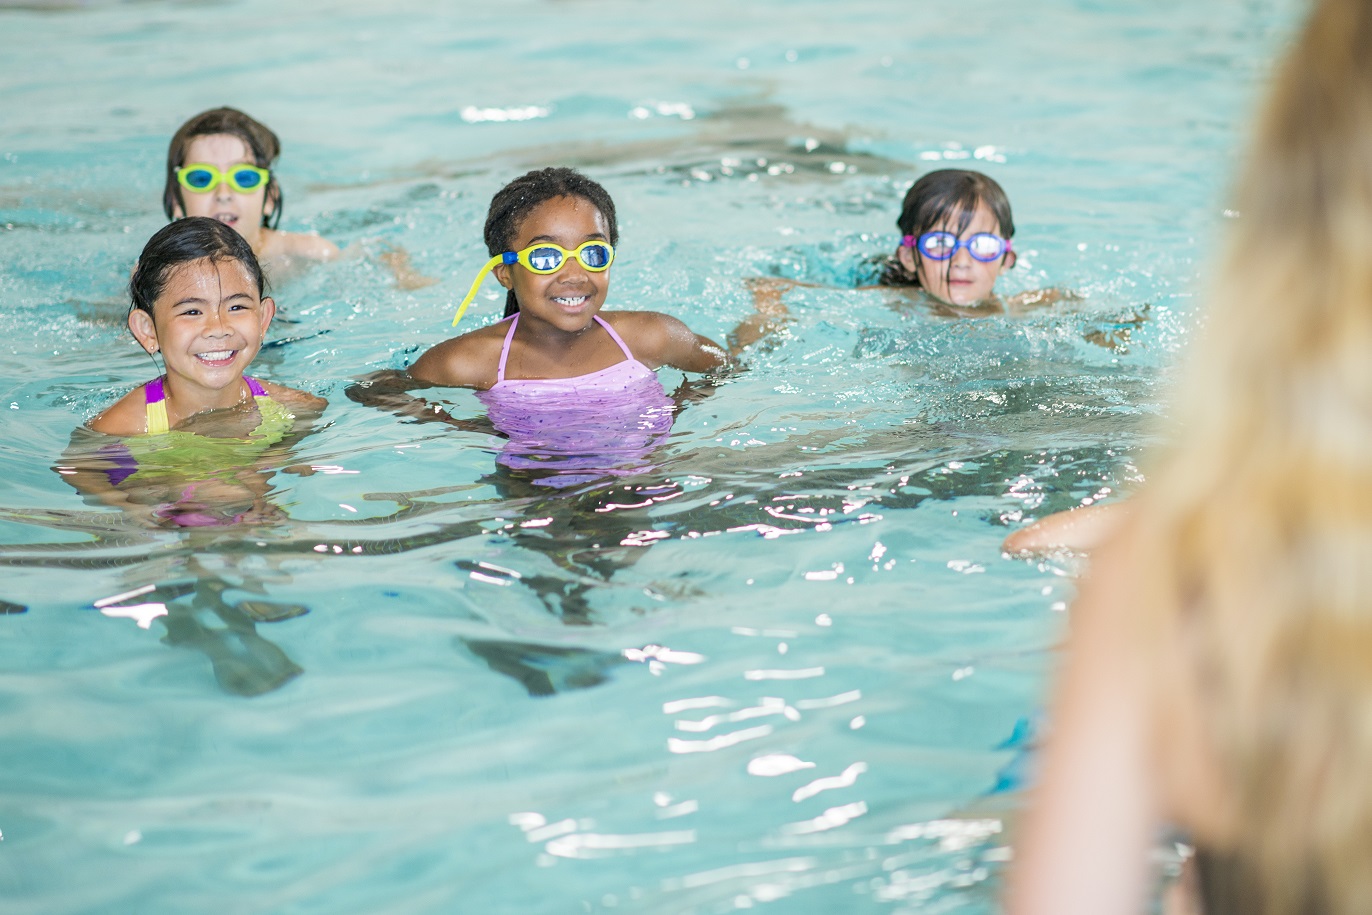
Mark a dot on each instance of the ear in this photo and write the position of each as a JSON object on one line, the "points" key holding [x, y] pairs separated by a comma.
{"points": [[906, 257], [268, 312], [501, 272], [144, 331], [1008, 262], [178, 211]]}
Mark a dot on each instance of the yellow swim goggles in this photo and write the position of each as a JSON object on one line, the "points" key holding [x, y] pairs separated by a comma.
{"points": [[543, 258], [202, 178]]}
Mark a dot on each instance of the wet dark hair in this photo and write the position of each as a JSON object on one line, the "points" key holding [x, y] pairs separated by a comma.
{"points": [[183, 242], [261, 142], [517, 199], [939, 194]]}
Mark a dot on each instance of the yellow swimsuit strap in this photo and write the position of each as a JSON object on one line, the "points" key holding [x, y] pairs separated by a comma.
{"points": [[155, 403]]}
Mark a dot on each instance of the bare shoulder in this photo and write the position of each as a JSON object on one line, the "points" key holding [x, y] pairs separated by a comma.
{"points": [[297, 401], [656, 339], [468, 361], [127, 416]]}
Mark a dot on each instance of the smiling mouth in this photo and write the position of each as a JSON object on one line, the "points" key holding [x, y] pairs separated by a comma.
{"points": [[219, 357], [227, 219], [571, 301]]}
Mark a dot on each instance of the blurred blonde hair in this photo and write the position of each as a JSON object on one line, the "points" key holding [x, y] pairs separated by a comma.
{"points": [[1258, 523]]}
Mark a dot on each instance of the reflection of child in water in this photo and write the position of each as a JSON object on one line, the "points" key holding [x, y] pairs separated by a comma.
{"points": [[191, 443]]}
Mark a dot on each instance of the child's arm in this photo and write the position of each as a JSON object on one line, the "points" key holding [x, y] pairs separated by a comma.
{"points": [[304, 245], [390, 390], [769, 314], [657, 339], [406, 276]]}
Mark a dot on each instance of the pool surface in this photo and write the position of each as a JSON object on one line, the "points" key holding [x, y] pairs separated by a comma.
{"points": [[782, 664]]}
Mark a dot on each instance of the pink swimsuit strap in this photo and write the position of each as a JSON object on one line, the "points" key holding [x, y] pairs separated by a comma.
{"points": [[155, 391], [514, 322]]}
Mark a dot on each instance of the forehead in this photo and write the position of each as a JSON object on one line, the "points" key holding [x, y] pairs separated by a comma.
{"points": [[207, 279], [217, 149], [983, 220], [565, 220]]}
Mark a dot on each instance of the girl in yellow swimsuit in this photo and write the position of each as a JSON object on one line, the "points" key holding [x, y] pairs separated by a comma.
{"points": [[201, 428]]}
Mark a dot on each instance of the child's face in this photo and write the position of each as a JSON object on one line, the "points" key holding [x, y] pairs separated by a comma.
{"points": [[962, 280], [208, 323], [569, 298], [243, 212]]}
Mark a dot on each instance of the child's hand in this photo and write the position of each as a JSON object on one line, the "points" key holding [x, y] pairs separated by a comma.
{"points": [[767, 292], [406, 277]]}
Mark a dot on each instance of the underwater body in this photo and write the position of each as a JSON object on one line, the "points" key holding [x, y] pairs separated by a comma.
{"points": [[777, 660]]}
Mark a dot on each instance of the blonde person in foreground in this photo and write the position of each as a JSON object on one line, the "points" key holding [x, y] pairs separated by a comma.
{"points": [[1220, 672]]}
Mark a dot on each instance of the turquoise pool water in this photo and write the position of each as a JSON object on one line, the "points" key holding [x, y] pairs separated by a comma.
{"points": [[786, 669]]}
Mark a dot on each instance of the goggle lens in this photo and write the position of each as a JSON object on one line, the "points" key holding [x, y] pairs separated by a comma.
{"points": [[984, 247], [198, 179], [245, 179], [545, 260]]}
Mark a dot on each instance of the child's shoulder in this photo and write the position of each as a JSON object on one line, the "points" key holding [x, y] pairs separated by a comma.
{"points": [[127, 416], [468, 361], [656, 340], [293, 399], [649, 331], [646, 328]]}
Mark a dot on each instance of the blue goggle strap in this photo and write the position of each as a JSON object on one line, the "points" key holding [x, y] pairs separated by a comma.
{"points": [[509, 257]]}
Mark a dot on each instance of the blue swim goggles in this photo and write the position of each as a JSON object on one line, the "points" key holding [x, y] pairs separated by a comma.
{"points": [[543, 258], [940, 246]]}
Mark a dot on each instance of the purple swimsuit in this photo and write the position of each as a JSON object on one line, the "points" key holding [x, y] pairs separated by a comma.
{"points": [[580, 429]]}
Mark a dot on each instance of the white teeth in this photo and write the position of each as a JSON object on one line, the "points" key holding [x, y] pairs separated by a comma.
{"points": [[569, 300], [216, 357]]}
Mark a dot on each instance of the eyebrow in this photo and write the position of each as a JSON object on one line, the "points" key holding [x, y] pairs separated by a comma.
{"points": [[196, 300], [594, 236]]}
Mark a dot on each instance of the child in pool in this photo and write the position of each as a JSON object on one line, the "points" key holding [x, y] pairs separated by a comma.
{"points": [[552, 234], [201, 428], [956, 229], [219, 164], [567, 382]]}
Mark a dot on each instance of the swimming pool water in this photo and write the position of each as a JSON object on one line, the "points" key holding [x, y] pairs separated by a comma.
{"points": [[786, 668]]}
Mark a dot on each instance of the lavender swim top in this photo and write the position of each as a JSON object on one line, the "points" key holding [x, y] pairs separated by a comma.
{"points": [[579, 429]]}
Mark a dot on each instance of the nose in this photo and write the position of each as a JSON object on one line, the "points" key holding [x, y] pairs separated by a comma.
{"points": [[217, 323], [572, 269], [222, 191]]}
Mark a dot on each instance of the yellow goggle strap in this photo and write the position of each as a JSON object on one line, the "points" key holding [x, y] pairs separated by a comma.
{"points": [[508, 257]]}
